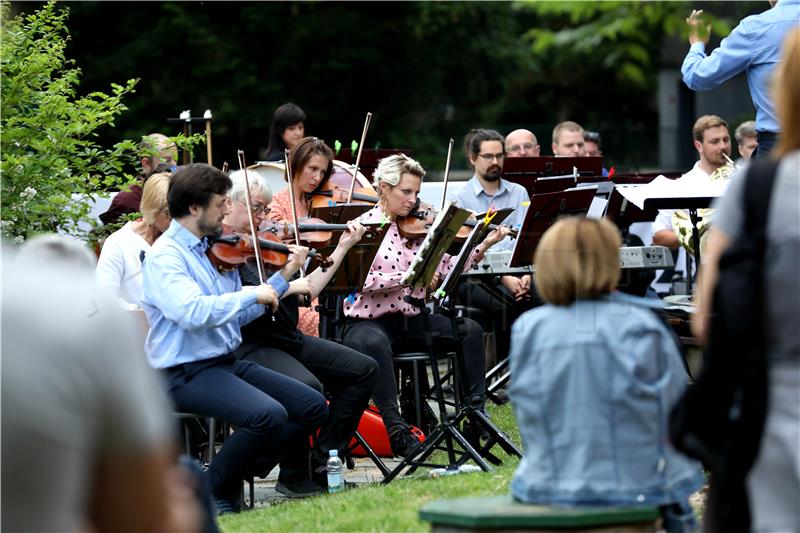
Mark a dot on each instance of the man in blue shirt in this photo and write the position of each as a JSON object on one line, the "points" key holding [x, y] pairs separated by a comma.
{"points": [[195, 314], [505, 300], [754, 45]]}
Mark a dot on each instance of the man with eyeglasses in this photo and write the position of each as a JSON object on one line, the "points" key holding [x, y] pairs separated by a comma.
{"points": [[511, 296], [522, 143]]}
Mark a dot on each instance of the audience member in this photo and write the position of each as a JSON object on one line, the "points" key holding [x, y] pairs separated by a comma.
{"points": [[774, 481], [157, 154], [87, 441], [522, 143], [568, 140], [753, 46], [593, 374]]}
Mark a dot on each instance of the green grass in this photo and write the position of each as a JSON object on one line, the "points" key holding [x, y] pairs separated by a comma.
{"points": [[393, 507]]}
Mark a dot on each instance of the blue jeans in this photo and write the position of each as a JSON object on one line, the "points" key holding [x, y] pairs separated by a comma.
{"points": [[269, 410], [767, 141]]}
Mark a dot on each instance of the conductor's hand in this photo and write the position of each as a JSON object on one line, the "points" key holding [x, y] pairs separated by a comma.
{"points": [[297, 257], [496, 235], [698, 31], [301, 287], [355, 231], [266, 295]]}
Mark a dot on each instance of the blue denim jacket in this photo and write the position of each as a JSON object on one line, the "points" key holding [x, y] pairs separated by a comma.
{"points": [[592, 386]]}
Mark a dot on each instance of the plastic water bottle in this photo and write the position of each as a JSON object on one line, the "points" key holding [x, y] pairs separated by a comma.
{"points": [[335, 480]]}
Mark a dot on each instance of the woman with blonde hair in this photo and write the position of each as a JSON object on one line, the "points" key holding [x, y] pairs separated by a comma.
{"points": [[594, 373], [119, 267]]}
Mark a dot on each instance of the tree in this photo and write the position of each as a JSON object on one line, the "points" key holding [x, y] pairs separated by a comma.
{"points": [[51, 161]]}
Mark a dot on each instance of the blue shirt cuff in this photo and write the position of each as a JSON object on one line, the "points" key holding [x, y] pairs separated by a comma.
{"points": [[699, 47], [277, 282]]}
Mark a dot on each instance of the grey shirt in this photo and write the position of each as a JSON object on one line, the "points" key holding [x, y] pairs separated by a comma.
{"points": [[782, 284]]}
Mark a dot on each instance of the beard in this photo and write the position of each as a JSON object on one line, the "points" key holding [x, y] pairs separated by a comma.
{"points": [[493, 174], [211, 229]]}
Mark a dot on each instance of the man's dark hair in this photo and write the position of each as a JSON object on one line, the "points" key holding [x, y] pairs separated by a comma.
{"points": [[285, 116], [473, 140], [592, 137], [195, 184]]}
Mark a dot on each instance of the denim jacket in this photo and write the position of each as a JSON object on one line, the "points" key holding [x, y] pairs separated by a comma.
{"points": [[592, 386]]}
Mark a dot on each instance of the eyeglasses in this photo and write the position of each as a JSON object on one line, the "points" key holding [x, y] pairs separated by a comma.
{"points": [[257, 208], [518, 147], [489, 157]]}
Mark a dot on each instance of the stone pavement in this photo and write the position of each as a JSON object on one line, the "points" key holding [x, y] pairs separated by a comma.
{"points": [[364, 472]]}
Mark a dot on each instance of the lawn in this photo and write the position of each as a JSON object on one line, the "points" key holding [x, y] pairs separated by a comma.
{"points": [[393, 507]]}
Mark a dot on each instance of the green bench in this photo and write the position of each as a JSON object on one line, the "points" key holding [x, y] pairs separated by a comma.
{"points": [[502, 513]]}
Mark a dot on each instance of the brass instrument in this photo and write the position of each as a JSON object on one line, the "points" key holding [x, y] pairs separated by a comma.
{"points": [[681, 224]]}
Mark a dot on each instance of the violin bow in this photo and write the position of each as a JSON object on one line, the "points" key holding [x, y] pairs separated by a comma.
{"points": [[447, 171], [248, 203], [207, 118], [358, 157], [294, 212]]}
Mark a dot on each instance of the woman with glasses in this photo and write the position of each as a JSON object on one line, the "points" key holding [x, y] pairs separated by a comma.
{"points": [[312, 163], [120, 265]]}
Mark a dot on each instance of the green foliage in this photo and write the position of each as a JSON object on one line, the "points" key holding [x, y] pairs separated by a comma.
{"points": [[625, 36], [51, 160]]}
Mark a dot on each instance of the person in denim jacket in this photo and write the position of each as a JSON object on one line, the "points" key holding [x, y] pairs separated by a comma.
{"points": [[594, 375]]}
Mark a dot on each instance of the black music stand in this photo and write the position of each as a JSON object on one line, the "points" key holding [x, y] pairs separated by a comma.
{"points": [[334, 213], [542, 213], [537, 167], [690, 204]]}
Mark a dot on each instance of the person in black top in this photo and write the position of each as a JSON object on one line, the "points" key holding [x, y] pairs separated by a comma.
{"points": [[273, 341], [287, 128]]}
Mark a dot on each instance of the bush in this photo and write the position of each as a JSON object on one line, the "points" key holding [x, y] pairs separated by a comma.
{"points": [[51, 162]]}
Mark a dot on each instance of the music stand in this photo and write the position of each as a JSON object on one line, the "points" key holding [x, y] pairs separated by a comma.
{"points": [[537, 167], [542, 213]]}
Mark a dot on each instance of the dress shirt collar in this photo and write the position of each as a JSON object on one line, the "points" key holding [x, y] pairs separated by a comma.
{"points": [[477, 188], [183, 236]]}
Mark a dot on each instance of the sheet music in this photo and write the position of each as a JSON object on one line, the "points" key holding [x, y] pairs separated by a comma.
{"points": [[663, 187]]}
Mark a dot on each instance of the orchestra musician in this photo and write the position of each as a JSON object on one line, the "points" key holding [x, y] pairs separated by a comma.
{"points": [[568, 140], [311, 163], [119, 267], [508, 296], [378, 314], [522, 143], [287, 128], [195, 314], [347, 375]]}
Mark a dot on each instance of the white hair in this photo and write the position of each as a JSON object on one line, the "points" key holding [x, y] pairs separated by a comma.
{"points": [[258, 184]]}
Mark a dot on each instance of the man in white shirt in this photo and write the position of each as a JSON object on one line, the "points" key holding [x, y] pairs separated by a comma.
{"points": [[713, 143]]}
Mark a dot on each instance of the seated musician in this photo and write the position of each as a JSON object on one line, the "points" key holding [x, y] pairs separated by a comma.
{"points": [[568, 140], [348, 376], [594, 374], [195, 314], [507, 297], [378, 314], [287, 128], [312, 163], [522, 143], [119, 267]]}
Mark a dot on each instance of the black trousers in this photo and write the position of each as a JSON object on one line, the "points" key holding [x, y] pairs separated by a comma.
{"points": [[374, 337], [269, 410], [347, 376], [500, 308]]}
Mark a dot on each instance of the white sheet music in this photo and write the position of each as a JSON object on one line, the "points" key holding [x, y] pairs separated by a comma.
{"points": [[663, 187]]}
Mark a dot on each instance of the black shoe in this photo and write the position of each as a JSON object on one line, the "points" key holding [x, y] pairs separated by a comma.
{"points": [[475, 434], [301, 488], [403, 441], [226, 506]]}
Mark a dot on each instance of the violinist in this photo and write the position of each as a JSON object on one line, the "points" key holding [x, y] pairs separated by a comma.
{"points": [[348, 376], [288, 127], [312, 164], [119, 267], [378, 314], [195, 314], [507, 297]]}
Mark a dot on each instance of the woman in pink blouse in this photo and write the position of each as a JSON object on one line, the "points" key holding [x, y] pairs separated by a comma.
{"points": [[312, 163], [378, 314]]}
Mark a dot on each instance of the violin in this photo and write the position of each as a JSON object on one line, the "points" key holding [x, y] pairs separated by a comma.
{"points": [[232, 250], [314, 233], [417, 224]]}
